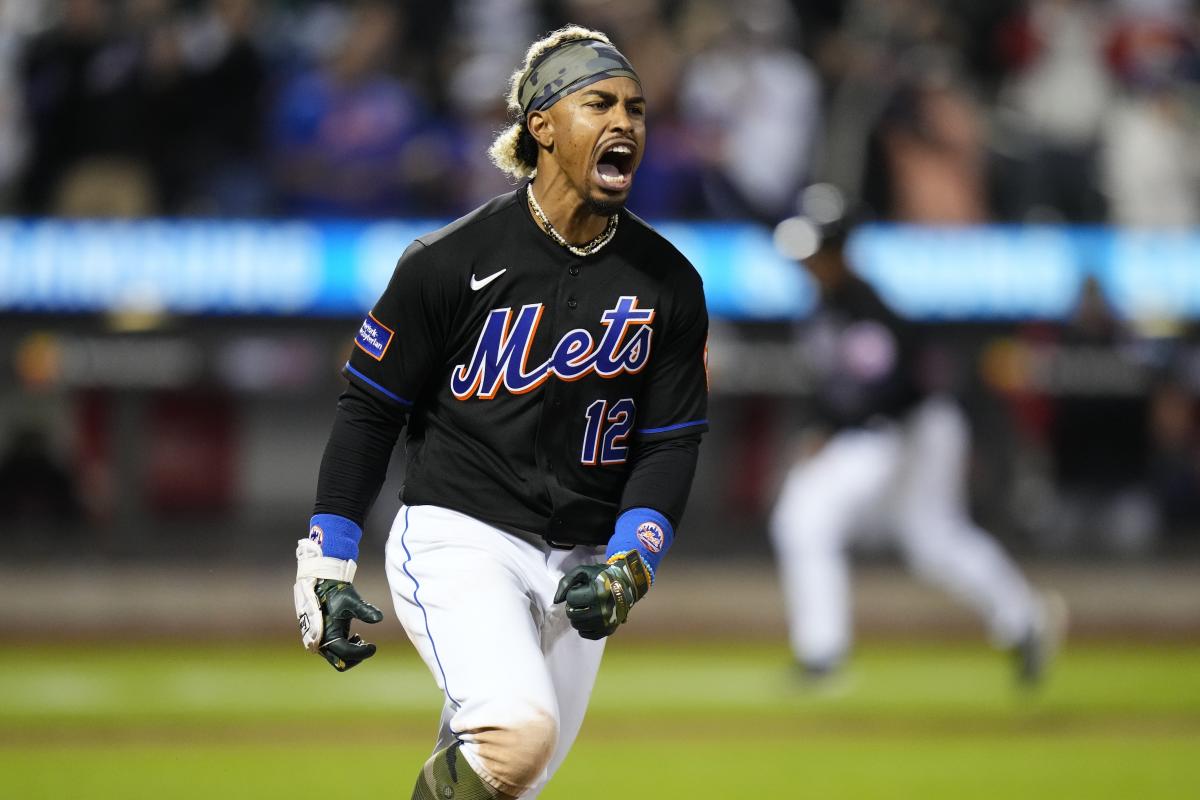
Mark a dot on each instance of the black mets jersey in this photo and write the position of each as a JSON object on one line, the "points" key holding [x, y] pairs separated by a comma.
{"points": [[529, 374], [863, 357]]}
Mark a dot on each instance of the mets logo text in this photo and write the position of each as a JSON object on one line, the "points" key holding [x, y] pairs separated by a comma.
{"points": [[502, 353], [650, 535]]}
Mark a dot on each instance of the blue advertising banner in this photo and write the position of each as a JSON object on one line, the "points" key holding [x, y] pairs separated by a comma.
{"points": [[339, 268]]}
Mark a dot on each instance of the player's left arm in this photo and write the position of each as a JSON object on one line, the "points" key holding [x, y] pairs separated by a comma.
{"points": [[599, 596], [672, 415]]}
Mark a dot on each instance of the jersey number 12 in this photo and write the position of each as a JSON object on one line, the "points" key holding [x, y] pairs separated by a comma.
{"points": [[607, 428]]}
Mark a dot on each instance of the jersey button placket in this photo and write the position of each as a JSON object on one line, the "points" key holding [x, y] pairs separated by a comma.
{"points": [[574, 270], [572, 303]]}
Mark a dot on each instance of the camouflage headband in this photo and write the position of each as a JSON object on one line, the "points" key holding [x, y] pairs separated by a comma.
{"points": [[568, 68]]}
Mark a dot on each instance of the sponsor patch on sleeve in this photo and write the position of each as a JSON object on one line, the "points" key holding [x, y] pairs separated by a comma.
{"points": [[651, 536], [374, 337]]}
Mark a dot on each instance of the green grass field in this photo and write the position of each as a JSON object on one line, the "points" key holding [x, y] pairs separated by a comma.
{"points": [[705, 721]]}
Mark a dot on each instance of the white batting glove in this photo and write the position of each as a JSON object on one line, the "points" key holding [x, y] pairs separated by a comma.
{"points": [[312, 566]]}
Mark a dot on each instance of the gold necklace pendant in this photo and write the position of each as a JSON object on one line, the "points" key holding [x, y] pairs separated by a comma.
{"points": [[585, 250]]}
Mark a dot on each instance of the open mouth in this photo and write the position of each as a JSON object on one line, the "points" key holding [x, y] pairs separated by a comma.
{"points": [[614, 168]]}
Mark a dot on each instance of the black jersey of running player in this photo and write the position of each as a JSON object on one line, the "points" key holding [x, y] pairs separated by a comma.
{"points": [[863, 357], [529, 373]]}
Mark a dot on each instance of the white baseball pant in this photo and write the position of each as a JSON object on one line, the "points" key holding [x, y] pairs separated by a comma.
{"points": [[477, 603], [909, 481]]}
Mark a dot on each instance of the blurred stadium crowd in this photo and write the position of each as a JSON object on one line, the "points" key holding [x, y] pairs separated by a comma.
{"points": [[931, 111]]}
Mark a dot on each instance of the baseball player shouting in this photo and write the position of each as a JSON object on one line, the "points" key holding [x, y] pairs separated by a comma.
{"points": [[547, 355]]}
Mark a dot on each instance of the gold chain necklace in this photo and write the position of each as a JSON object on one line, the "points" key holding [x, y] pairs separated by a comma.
{"points": [[585, 250]]}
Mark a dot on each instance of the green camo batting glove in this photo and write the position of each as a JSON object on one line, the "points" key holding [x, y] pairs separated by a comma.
{"points": [[599, 596], [340, 604]]}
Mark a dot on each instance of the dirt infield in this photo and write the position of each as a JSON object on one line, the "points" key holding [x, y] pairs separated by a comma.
{"points": [[692, 600]]}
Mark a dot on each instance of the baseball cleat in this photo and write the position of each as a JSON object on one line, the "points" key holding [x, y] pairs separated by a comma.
{"points": [[1035, 652], [823, 679]]}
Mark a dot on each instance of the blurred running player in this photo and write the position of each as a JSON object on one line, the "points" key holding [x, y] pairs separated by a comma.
{"points": [[884, 456]]}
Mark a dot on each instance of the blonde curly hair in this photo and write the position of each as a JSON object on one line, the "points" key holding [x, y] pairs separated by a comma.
{"points": [[515, 150]]}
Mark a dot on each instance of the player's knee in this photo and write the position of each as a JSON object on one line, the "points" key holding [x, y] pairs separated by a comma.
{"points": [[805, 530], [925, 556], [513, 756]]}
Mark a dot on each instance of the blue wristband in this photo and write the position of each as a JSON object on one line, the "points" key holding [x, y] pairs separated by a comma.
{"points": [[644, 530], [337, 536]]}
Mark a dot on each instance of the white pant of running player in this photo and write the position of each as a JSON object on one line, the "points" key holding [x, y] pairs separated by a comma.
{"points": [[907, 480], [477, 602]]}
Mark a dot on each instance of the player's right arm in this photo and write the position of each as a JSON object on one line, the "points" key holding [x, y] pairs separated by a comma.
{"points": [[393, 355], [352, 471]]}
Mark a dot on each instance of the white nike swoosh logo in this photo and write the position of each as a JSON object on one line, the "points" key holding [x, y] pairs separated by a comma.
{"points": [[476, 285]]}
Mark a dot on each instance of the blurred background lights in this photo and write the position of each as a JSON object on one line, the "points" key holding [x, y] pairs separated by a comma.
{"points": [[797, 238], [823, 203]]}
